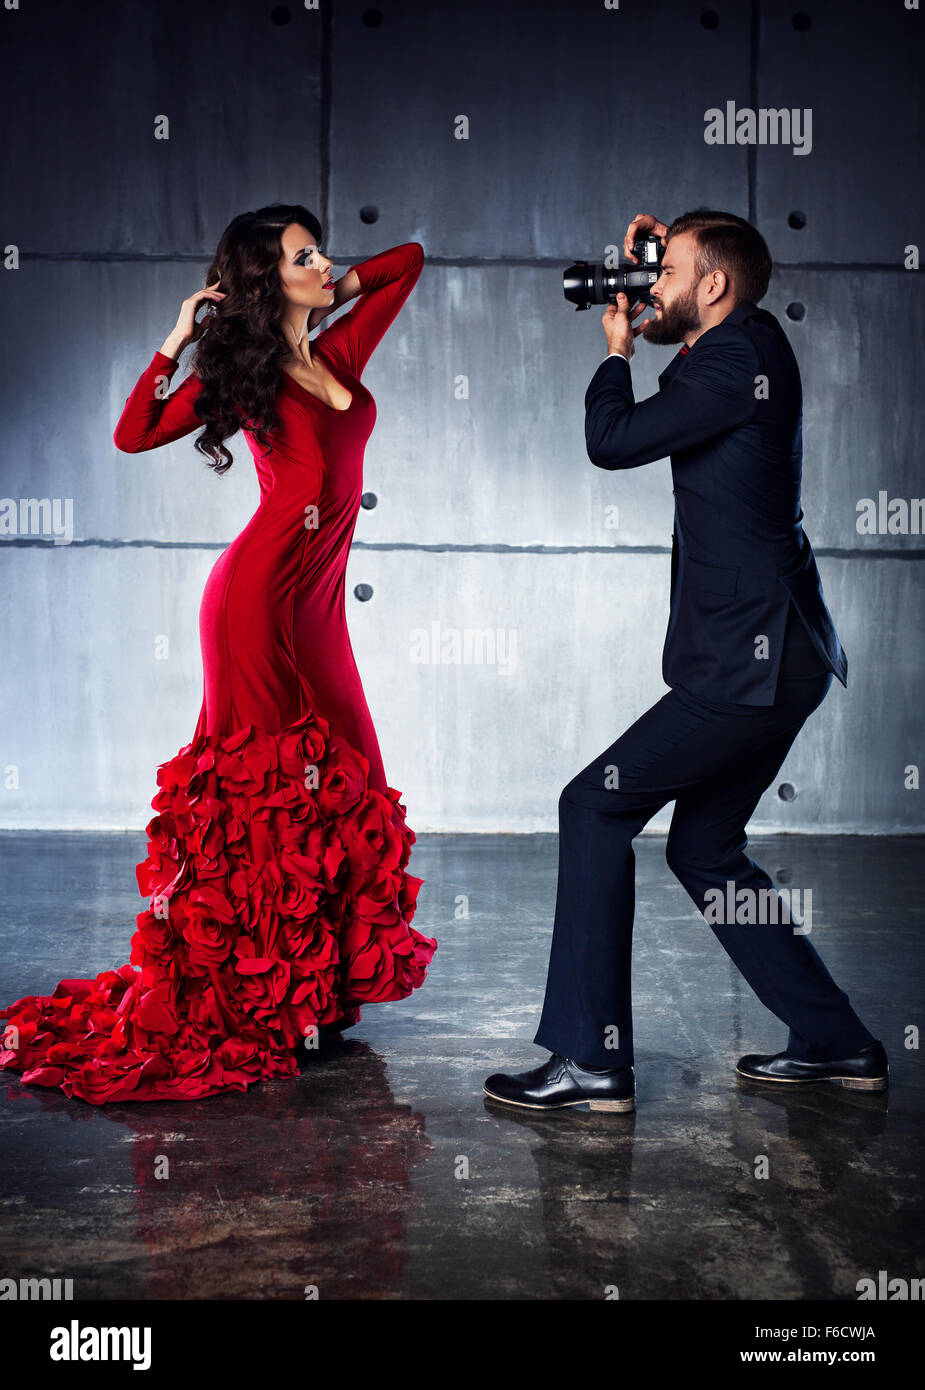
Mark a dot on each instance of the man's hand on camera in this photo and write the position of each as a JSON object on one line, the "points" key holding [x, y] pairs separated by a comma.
{"points": [[643, 224], [618, 325]]}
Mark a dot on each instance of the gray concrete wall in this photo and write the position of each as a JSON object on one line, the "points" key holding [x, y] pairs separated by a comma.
{"points": [[489, 514]]}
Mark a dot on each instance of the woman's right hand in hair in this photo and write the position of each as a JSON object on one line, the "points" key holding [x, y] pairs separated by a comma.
{"points": [[643, 224], [186, 329]]}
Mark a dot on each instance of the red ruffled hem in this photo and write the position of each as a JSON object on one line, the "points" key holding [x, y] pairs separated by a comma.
{"points": [[279, 904]]}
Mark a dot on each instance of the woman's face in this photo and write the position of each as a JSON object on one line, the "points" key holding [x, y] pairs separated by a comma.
{"points": [[305, 273]]}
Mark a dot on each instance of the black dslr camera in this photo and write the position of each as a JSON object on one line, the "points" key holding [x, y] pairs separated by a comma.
{"points": [[584, 284]]}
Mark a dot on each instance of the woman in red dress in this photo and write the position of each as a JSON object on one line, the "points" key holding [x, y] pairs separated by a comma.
{"points": [[279, 897]]}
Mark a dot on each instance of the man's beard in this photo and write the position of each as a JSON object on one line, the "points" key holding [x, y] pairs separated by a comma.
{"points": [[673, 324]]}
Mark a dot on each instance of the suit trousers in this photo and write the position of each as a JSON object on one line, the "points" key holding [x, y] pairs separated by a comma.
{"points": [[714, 761]]}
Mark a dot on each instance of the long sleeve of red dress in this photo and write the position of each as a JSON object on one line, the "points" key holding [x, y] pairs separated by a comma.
{"points": [[151, 417], [386, 280]]}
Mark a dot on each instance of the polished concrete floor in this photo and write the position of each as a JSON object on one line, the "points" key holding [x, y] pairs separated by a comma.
{"points": [[382, 1172]]}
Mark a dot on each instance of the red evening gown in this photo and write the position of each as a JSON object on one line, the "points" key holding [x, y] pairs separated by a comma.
{"points": [[279, 898]]}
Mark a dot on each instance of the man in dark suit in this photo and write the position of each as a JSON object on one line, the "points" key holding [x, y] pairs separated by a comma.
{"points": [[750, 651]]}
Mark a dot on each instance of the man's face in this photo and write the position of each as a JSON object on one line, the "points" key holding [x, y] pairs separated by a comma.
{"points": [[674, 293]]}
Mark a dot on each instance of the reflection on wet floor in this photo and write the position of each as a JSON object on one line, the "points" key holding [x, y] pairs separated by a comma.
{"points": [[382, 1172]]}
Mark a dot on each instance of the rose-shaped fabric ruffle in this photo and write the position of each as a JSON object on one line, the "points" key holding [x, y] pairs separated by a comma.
{"points": [[279, 901]]}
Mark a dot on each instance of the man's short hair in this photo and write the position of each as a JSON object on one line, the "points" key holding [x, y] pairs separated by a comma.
{"points": [[728, 243]]}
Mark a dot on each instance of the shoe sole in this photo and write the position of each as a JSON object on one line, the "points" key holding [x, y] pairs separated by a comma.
{"points": [[850, 1083], [611, 1106]]}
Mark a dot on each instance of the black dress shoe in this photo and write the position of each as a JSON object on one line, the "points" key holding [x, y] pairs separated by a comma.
{"points": [[867, 1070], [561, 1082]]}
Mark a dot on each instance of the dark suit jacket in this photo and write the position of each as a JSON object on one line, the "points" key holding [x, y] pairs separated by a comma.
{"points": [[729, 413]]}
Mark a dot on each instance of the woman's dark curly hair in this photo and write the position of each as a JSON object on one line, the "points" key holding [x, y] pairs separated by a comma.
{"points": [[239, 351]]}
